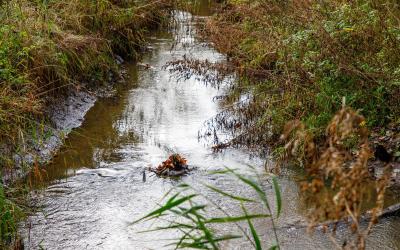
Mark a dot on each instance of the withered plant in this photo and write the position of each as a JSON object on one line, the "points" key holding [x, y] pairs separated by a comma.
{"points": [[295, 60], [341, 166]]}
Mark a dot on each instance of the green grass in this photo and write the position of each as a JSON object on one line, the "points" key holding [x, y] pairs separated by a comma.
{"points": [[10, 215], [47, 48], [300, 59], [187, 211]]}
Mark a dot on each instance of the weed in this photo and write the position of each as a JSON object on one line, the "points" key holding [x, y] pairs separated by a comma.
{"points": [[10, 214], [188, 211], [296, 60], [340, 169], [48, 48]]}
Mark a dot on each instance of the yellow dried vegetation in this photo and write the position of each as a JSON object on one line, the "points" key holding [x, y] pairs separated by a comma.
{"points": [[341, 165]]}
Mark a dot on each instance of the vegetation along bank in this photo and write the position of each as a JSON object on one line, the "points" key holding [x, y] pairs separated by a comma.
{"points": [[319, 82], [51, 51], [303, 60]]}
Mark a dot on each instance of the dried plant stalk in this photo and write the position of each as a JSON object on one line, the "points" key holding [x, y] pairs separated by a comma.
{"points": [[341, 165]]}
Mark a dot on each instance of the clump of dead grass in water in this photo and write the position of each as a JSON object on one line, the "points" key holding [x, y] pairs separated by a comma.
{"points": [[213, 74], [340, 165]]}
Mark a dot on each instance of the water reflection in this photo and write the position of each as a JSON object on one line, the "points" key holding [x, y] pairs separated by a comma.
{"points": [[151, 116]]}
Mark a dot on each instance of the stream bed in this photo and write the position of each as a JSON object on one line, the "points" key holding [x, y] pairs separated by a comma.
{"points": [[95, 187]]}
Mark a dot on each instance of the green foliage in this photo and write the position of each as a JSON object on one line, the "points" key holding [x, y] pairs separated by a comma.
{"points": [[300, 59], [346, 54], [9, 216], [48, 47], [188, 212]]}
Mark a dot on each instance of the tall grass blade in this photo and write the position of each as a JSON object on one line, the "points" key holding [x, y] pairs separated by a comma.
{"points": [[253, 185], [275, 247], [168, 206], [207, 233], [174, 226], [201, 244], [239, 198], [253, 231], [238, 218], [278, 195]]}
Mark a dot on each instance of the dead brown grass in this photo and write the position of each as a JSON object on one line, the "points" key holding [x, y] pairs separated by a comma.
{"points": [[50, 47], [337, 167]]}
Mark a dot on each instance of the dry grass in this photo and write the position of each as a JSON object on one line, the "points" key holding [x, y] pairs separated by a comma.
{"points": [[341, 169], [298, 59], [46, 48], [49, 47]]}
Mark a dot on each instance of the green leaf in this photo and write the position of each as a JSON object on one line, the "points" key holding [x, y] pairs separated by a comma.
{"points": [[208, 235], [202, 244], [175, 226], [253, 231], [274, 247], [278, 195], [239, 198], [170, 204], [220, 171], [235, 219], [253, 185]]}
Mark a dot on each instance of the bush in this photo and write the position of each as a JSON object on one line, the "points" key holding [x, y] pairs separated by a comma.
{"points": [[49, 47], [300, 59]]}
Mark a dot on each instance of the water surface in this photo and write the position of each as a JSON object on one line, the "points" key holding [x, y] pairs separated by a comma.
{"points": [[95, 187]]}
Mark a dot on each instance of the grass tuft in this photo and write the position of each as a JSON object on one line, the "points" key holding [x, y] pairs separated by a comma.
{"points": [[195, 216]]}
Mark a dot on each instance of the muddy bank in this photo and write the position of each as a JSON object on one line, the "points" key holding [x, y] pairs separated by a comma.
{"points": [[62, 116], [95, 188], [52, 48]]}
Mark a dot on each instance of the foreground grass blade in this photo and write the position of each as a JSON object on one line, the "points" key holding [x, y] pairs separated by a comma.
{"points": [[274, 247], [202, 244], [278, 196], [168, 206], [253, 185], [207, 232], [174, 226], [238, 218], [193, 220], [239, 198], [252, 230]]}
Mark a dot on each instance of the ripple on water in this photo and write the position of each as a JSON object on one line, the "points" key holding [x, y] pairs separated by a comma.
{"points": [[97, 188]]}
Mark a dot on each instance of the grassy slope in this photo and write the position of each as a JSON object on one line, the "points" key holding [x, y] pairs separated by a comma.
{"points": [[301, 59], [47, 47]]}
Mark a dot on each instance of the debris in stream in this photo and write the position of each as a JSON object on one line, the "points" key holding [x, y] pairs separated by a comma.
{"points": [[175, 165], [145, 65]]}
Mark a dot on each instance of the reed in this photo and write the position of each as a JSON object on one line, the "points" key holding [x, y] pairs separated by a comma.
{"points": [[48, 48], [187, 211]]}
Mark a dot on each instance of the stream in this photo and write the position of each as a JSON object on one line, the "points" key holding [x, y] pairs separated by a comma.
{"points": [[94, 188]]}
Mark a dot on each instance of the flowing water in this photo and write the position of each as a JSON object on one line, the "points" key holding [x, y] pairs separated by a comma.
{"points": [[95, 185]]}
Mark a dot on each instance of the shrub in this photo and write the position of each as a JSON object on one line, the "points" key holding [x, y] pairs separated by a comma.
{"points": [[49, 47], [299, 59]]}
